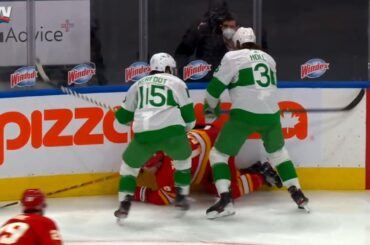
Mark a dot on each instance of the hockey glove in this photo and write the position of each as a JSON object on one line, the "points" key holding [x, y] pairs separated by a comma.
{"points": [[211, 114]]}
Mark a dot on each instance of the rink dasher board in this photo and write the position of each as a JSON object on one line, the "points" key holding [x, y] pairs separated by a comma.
{"points": [[328, 149]]}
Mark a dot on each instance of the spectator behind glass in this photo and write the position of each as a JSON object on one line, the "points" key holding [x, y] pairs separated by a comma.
{"points": [[208, 39]]}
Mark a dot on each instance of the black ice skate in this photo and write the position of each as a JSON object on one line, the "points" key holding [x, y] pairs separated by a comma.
{"points": [[298, 197], [270, 175], [181, 201], [223, 207], [124, 208]]}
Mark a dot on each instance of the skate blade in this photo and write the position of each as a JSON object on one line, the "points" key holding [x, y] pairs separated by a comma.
{"points": [[120, 217], [182, 208], [181, 211], [120, 222], [228, 211], [305, 208], [214, 214]]}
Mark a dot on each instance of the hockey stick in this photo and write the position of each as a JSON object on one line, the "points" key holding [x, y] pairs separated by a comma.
{"points": [[112, 176], [348, 107], [69, 91], [86, 98]]}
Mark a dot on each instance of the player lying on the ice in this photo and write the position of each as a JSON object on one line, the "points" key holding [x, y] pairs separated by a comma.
{"points": [[202, 139]]}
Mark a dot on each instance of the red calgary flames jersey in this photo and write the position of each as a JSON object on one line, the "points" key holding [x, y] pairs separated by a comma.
{"points": [[30, 229], [201, 141]]}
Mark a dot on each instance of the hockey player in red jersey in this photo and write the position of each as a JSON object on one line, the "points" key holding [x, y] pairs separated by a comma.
{"points": [[243, 181], [31, 227]]}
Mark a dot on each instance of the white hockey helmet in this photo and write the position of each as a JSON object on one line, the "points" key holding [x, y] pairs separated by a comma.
{"points": [[160, 61], [244, 35]]}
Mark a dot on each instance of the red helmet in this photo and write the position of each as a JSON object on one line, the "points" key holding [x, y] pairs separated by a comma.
{"points": [[33, 199]]}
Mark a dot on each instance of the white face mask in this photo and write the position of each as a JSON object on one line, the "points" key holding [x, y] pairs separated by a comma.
{"points": [[228, 33]]}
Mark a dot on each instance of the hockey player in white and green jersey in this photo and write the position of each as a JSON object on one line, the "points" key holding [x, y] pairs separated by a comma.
{"points": [[161, 112], [250, 76]]}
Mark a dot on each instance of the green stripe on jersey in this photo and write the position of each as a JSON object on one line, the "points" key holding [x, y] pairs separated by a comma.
{"points": [[124, 116], [216, 87], [171, 99], [187, 113], [245, 78]]}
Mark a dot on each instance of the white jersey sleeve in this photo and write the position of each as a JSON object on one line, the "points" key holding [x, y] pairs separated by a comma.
{"points": [[185, 103], [130, 101], [226, 71], [221, 79], [125, 114]]}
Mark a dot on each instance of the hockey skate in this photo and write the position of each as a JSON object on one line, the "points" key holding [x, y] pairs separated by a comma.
{"points": [[223, 207], [299, 198], [269, 174], [181, 201], [124, 208]]}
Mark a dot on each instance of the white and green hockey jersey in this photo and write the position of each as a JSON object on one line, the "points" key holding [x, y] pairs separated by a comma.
{"points": [[159, 106], [250, 77]]}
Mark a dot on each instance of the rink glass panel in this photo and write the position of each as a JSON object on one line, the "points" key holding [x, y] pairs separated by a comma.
{"points": [[69, 33], [335, 32]]}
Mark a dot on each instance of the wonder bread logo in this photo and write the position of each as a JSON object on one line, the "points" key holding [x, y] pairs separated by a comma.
{"points": [[5, 13], [81, 73], [23, 77], [136, 71], [196, 70], [314, 68]]}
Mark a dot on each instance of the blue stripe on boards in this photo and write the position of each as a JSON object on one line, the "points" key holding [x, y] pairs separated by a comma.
{"points": [[194, 86]]}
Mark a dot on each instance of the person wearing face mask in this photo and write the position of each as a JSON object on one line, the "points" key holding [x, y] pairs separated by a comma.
{"points": [[228, 28], [208, 39]]}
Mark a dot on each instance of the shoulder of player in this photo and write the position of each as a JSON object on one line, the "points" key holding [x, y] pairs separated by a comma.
{"points": [[173, 81], [231, 54], [270, 60], [32, 219], [235, 55], [266, 56], [171, 78], [23, 218], [45, 221]]}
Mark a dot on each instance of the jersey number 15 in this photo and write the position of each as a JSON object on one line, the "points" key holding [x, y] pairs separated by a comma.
{"points": [[154, 95]]}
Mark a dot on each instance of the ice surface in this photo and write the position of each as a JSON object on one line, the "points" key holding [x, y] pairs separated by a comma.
{"points": [[262, 218]]}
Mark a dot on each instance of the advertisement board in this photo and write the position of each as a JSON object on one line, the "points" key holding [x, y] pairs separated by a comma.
{"points": [[61, 140], [62, 32]]}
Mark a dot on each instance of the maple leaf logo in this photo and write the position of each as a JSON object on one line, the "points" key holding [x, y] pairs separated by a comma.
{"points": [[288, 120]]}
